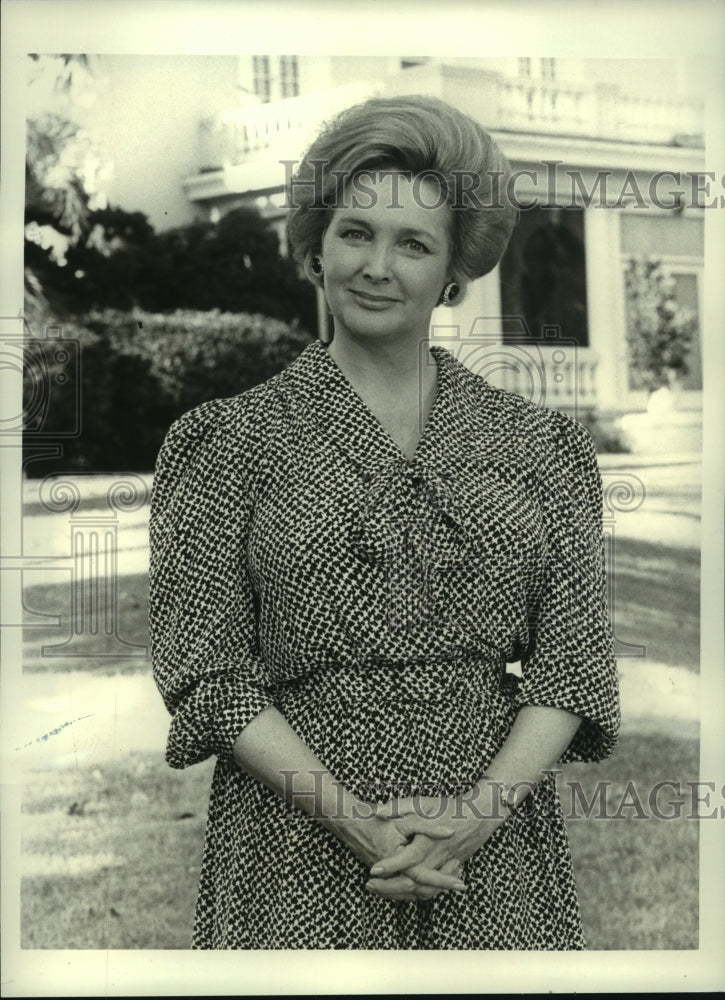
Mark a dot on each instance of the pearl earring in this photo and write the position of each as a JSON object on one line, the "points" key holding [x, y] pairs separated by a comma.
{"points": [[450, 293]]}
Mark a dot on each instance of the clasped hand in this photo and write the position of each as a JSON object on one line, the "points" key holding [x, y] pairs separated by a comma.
{"points": [[421, 845]]}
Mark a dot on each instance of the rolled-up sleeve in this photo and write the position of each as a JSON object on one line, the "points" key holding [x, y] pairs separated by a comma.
{"points": [[202, 613], [570, 662]]}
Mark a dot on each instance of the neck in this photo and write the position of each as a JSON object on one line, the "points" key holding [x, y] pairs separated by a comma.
{"points": [[397, 384], [390, 363]]}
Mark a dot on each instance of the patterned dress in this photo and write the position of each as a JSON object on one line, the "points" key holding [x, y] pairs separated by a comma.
{"points": [[300, 560]]}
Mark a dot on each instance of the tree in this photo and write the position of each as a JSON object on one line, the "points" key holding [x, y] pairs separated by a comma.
{"points": [[233, 265], [82, 254], [65, 176], [659, 331]]}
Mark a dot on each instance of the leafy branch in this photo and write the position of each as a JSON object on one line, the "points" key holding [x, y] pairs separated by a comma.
{"points": [[660, 332]]}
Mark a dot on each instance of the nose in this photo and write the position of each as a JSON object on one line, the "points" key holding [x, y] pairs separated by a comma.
{"points": [[376, 266]]}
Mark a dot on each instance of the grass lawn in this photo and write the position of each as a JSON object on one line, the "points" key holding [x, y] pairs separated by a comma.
{"points": [[98, 653], [113, 855], [638, 876], [657, 600]]}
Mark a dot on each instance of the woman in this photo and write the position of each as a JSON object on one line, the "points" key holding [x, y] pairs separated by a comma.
{"points": [[345, 558]]}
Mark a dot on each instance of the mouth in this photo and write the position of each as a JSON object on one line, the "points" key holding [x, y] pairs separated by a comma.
{"points": [[379, 300]]}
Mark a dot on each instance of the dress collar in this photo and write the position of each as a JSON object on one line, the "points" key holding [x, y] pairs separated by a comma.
{"points": [[324, 397]]}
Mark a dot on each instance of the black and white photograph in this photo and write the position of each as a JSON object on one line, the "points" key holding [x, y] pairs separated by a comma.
{"points": [[362, 505]]}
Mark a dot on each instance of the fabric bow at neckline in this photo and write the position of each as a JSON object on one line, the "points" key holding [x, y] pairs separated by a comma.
{"points": [[437, 524]]}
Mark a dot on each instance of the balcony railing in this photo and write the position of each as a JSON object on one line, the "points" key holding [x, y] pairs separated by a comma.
{"points": [[280, 129], [556, 377], [591, 111], [283, 129]]}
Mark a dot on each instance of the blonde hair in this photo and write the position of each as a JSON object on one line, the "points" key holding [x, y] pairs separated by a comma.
{"points": [[419, 136]]}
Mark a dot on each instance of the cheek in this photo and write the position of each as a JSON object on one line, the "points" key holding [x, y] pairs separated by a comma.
{"points": [[336, 275], [340, 261], [428, 286]]}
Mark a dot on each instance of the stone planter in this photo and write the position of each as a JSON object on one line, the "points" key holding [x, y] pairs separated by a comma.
{"points": [[663, 428]]}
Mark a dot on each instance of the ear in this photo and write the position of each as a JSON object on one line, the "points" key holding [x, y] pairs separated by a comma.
{"points": [[462, 286], [313, 278]]}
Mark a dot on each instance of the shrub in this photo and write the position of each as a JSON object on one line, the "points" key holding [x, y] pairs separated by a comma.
{"points": [[140, 371], [606, 436], [121, 263]]}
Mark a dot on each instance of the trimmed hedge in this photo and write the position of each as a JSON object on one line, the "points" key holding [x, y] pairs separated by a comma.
{"points": [[140, 371]]}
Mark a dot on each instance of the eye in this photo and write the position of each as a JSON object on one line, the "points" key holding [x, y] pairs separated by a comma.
{"points": [[415, 245], [354, 234]]}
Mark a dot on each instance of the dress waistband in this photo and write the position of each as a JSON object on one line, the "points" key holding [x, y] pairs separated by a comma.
{"points": [[415, 680]]}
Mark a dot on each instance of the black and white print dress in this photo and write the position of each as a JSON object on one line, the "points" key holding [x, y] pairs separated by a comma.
{"points": [[298, 559]]}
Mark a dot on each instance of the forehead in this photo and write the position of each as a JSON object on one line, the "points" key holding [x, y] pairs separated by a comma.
{"points": [[396, 198]]}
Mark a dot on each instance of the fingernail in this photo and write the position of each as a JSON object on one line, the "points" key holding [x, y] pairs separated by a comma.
{"points": [[459, 887], [376, 870]]}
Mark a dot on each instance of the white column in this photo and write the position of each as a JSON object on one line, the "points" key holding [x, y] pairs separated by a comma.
{"points": [[478, 315], [605, 306]]}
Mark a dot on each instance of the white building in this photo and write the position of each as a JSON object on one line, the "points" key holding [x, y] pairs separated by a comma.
{"points": [[617, 145]]}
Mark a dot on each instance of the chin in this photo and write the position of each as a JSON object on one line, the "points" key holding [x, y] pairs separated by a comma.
{"points": [[372, 328], [374, 333]]}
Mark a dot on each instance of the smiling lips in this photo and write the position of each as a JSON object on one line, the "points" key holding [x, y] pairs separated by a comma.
{"points": [[373, 300]]}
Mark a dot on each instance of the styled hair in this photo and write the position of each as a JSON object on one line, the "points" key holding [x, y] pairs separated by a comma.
{"points": [[420, 136]]}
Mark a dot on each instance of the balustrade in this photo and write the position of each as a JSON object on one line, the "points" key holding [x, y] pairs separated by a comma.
{"points": [[242, 134]]}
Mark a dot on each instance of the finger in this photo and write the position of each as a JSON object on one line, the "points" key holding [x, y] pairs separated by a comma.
{"points": [[396, 808], [419, 893], [422, 875], [452, 867], [413, 824], [407, 856], [425, 893], [401, 887], [392, 888]]}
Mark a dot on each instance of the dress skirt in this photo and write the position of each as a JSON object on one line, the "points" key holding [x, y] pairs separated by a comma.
{"points": [[387, 733]]}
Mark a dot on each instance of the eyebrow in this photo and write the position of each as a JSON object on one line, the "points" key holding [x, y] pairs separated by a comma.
{"points": [[356, 220]]}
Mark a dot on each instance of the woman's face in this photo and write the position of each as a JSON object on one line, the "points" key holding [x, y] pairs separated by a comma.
{"points": [[387, 256]]}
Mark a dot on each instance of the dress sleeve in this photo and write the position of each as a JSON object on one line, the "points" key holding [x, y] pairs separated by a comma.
{"points": [[202, 616], [570, 662]]}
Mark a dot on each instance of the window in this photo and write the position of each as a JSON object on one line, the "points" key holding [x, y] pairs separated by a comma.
{"points": [[543, 278], [678, 241], [544, 69], [275, 77], [684, 291], [686, 297], [662, 234], [262, 78], [288, 75]]}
